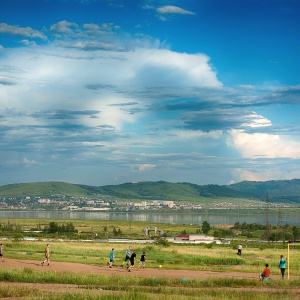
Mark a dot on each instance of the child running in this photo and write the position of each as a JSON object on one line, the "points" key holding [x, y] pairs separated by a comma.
{"points": [[142, 260], [111, 257], [127, 257], [132, 261]]}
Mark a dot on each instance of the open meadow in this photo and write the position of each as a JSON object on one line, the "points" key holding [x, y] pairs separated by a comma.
{"points": [[78, 269]]}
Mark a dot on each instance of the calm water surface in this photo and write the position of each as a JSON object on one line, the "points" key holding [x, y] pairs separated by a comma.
{"points": [[289, 216]]}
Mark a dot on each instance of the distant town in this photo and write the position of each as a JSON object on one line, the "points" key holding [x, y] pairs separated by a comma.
{"points": [[108, 203]]}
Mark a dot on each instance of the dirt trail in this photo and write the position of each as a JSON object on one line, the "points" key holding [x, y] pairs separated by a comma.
{"points": [[116, 270]]}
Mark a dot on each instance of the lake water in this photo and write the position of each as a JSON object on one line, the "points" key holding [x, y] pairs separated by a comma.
{"points": [[214, 217]]}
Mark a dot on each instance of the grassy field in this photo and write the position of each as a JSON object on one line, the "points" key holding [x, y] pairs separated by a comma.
{"points": [[220, 258], [198, 257]]}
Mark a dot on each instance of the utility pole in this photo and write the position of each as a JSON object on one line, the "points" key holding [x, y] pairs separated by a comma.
{"points": [[107, 225], [279, 223], [267, 233]]}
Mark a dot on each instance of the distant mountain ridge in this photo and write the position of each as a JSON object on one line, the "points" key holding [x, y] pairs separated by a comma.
{"points": [[277, 190]]}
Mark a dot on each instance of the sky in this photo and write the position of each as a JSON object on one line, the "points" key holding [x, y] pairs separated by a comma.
{"points": [[103, 92]]}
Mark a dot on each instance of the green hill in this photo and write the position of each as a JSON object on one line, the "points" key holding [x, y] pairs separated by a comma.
{"points": [[42, 189], [163, 190], [277, 191], [160, 190]]}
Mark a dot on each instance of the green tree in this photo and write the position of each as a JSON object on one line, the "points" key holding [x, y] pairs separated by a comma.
{"points": [[296, 233], [205, 227], [53, 227], [70, 228], [115, 232]]}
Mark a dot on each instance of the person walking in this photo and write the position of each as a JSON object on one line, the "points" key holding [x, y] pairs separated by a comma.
{"points": [[282, 263], [132, 260], [127, 257], [111, 257], [142, 260], [47, 255], [1, 252]]}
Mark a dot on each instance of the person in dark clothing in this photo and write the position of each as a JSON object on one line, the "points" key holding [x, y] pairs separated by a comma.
{"points": [[132, 260], [142, 260]]}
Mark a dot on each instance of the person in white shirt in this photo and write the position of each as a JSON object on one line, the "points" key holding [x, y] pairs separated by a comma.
{"points": [[240, 247]]}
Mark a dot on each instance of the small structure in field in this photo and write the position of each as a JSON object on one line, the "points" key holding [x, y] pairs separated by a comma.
{"points": [[193, 238]]}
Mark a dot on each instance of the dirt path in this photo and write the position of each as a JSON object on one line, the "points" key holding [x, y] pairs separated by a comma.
{"points": [[105, 270], [147, 272]]}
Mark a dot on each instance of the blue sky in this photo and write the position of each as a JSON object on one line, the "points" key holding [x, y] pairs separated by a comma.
{"points": [[104, 92]]}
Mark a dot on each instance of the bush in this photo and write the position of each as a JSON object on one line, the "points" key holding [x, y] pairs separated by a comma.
{"points": [[163, 242], [209, 246]]}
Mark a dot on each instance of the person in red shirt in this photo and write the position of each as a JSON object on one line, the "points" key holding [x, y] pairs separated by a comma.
{"points": [[265, 274]]}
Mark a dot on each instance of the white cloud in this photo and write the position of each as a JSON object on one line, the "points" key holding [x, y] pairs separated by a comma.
{"points": [[254, 120], [195, 134], [28, 43], [146, 167], [24, 162], [263, 145], [247, 86], [56, 81], [148, 7], [89, 45], [91, 27], [169, 9], [21, 31], [64, 27], [160, 67], [105, 27], [88, 31]]}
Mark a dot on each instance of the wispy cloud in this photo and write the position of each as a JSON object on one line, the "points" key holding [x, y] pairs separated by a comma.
{"points": [[7, 81], [22, 31], [169, 9], [64, 27]]}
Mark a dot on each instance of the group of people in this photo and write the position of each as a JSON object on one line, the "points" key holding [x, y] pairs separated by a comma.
{"points": [[130, 259], [265, 275]]}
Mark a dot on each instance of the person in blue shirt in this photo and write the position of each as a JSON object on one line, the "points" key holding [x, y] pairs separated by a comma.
{"points": [[282, 263], [111, 257], [127, 257]]}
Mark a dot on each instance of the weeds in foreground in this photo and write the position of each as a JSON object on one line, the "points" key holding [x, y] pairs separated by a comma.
{"points": [[121, 282], [160, 293]]}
